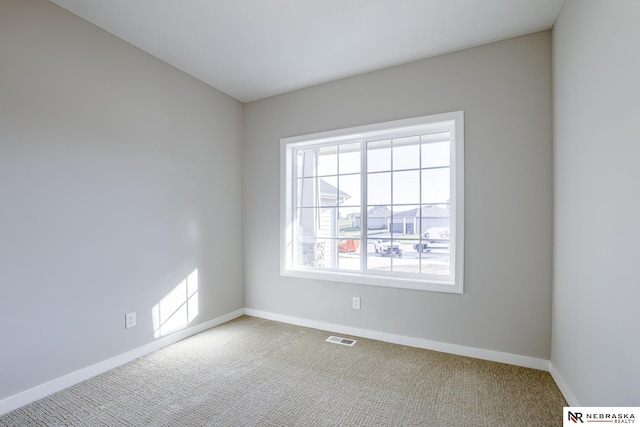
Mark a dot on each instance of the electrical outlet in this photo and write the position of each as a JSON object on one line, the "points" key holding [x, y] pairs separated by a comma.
{"points": [[356, 303], [130, 320]]}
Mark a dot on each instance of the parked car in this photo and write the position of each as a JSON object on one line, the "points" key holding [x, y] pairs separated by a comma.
{"points": [[388, 247], [434, 238]]}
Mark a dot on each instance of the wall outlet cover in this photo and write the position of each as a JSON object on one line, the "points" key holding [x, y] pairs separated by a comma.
{"points": [[130, 320]]}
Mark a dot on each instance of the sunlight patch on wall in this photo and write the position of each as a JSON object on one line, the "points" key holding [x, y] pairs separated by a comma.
{"points": [[178, 308]]}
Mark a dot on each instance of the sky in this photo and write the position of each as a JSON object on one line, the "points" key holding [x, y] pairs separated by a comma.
{"points": [[403, 187]]}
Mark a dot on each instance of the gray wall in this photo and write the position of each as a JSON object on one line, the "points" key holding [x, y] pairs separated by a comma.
{"points": [[118, 176], [596, 346], [505, 90]]}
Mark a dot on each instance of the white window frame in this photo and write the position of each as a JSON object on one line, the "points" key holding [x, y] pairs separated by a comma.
{"points": [[453, 283]]}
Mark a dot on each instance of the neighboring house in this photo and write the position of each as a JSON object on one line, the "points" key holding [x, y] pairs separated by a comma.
{"points": [[330, 195], [320, 223], [417, 221], [377, 218]]}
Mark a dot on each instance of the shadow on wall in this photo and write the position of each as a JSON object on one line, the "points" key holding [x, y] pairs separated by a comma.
{"points": [[178, 308]]}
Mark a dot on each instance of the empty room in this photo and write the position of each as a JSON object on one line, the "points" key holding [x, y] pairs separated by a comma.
{"points": [[315, 213]]}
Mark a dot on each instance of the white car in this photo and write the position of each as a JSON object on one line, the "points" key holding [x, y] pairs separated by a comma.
{"points": [[434, 238], [387, 247]]}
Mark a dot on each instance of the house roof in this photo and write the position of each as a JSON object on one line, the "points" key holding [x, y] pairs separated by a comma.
{"points": [[329, 191], [428, 211], [376, 212]]}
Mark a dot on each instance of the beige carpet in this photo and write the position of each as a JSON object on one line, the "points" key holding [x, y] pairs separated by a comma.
{"points": [[254, 372]]}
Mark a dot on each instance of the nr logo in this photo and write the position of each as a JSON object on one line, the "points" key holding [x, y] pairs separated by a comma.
{"points": [[575, 417]]}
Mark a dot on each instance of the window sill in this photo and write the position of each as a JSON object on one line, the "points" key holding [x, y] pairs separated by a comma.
{"points": [[423, 284]]}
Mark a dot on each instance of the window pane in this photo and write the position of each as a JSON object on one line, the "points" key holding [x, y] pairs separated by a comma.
{"points": [[411, 247], [306, 161], [328, 160], [349, 224], [435, 241], [328, 222], [375, 259], [349, 186], [379, 188], [408, 261], [435, 217], [349, 241], [406, 187], [316, 222], [307, 192], [384, 250], [315, 253], [349, 161], [306, 222], [379, 156], [406, 222], [436, 154], [406, 153], [322, 191], [435, 186], [378, 218], [328, 191], [436, 262], [299, 163], [349, 261]]}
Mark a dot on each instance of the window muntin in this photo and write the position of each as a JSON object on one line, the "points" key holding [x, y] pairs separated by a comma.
{"points": [[358, 204]]}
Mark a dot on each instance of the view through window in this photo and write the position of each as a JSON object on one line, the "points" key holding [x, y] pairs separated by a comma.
{"points": [[377, 204]]}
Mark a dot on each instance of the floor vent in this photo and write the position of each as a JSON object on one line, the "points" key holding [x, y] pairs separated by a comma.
{"points": [[343, 341]]}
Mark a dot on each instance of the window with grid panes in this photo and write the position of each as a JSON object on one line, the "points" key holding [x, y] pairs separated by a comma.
{"points": [[380, 204]]}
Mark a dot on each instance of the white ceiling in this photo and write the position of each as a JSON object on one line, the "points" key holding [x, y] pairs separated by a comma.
{"points": [[251, 49]]}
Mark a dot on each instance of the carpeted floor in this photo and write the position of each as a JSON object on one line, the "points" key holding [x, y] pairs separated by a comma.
{"points": [[255, 372]]}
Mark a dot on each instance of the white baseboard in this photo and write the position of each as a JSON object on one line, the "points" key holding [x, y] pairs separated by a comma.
{"points": [[563, 386], [13, 402], [478, 353]]}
